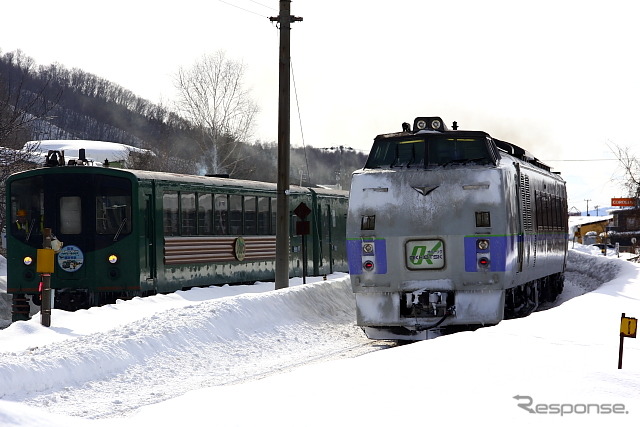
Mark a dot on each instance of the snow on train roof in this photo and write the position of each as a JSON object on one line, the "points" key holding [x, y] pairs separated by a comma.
{"points": [[228, 182], [171, 176], [97, 151]]}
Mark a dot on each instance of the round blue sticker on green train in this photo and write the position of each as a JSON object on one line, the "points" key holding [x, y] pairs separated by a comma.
{"points": [[70, 258]]}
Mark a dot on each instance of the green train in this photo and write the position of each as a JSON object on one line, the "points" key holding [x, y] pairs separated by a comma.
{"points": [[120, 233]]}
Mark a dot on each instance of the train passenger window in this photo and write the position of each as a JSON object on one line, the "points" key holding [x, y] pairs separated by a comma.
{"points": [[547, 212], [188, 213], [263, 215], [250, 220], [558, 210], [235, 214], [274, 214], [70, 215], [205, 214], [221, 214], [170, 213]]}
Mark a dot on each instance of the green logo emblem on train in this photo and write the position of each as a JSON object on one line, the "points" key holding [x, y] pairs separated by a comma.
{"points": [[425, 254], [239, 248]]}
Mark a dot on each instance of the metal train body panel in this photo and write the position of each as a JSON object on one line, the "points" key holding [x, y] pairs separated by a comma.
{"points": [[127, 232], [453, 242]]}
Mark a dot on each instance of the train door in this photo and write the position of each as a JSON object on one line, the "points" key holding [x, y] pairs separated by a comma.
{"points": [[70, 216]]}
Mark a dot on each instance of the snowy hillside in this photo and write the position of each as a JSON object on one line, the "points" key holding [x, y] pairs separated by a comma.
{"points": [[221, 356]]}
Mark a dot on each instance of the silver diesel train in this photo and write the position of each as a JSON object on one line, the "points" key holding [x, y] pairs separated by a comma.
{"points": [[450, 228]]}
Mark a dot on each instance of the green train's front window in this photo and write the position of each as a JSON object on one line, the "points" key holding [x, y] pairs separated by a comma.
{"points": [[27, 208], [113, 206], [423, 151]]}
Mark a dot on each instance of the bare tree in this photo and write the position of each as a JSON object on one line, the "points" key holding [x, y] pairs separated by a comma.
{"points": [[12, 161], [159, 160], [211, 95], [21, 104], [631, 168]]}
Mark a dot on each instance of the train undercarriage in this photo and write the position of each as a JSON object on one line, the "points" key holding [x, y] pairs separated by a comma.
{"points": [[430, 309], [520, 301]]}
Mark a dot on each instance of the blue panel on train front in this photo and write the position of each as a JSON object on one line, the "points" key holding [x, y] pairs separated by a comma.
{"points": [[356, 257], [496, 253]]}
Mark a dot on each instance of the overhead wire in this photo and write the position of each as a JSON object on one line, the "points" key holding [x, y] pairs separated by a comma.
{"points": [[579, 160], [246, 10], [304, 147], [263, 5], [295, 90]]}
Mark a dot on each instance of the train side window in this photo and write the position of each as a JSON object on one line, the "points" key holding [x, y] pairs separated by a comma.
{"points": [[170, 213], [205, 214], [188, 211], [539, 216], [235, 214], [250, 210], [70, 215], [274, 214], [263, 215], [221, 214], [548, 212]]}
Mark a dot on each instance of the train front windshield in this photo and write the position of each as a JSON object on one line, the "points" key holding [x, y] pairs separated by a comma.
{"points": [[430, 150], [71, 205]]}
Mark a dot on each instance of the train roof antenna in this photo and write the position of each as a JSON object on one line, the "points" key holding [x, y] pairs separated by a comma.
{"points": [[455, 125]]}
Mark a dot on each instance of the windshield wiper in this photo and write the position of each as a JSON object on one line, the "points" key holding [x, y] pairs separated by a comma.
{"points": [[33, 221], [462, 161], [124, 221]]}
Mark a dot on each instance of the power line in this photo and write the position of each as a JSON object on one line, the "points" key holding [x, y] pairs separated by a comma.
{"points": [[264, 5], [246, 10], [579, 160], [304, 146]]}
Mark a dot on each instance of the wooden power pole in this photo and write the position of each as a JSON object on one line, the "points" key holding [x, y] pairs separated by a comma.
{"points": [[284, 110]]}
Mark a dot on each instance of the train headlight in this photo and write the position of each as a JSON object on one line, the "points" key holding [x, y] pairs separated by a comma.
{"points": [[368, 265], [27, 260], [429, 123], [483, 244], [367, 248], [113, 258], [421, 124]]}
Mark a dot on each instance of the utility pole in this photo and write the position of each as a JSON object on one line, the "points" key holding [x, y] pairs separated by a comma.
{"points": [[587, 200], [284, 110]]}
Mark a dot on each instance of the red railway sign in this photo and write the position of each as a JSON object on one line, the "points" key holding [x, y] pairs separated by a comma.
{"points": [[623, 201]]}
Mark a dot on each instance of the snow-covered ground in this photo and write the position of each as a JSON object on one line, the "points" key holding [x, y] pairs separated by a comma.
{"points": [[254, 356]]}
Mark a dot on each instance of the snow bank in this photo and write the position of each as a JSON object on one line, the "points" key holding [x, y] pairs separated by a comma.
{"points": [[36, 358], [565, 357]]}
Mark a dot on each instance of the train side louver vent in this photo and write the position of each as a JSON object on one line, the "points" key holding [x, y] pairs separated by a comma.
{"points": [[525, 192]]}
